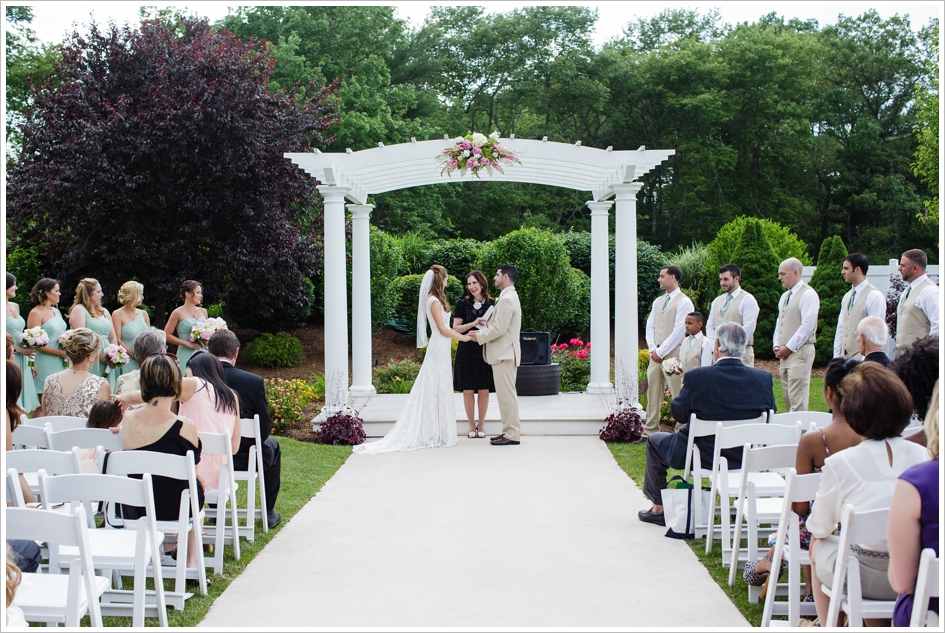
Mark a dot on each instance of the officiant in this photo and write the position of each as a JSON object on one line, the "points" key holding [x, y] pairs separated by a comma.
{"points": [[471, 374]]}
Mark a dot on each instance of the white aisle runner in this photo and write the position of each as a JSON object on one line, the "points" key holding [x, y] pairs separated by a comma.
{"points": [[543, 534]]}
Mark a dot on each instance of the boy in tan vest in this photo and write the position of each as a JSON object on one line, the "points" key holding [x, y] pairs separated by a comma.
{"points": [[862, 300], [691, 347], [665, 328], [917, 314], [736, 305], [795, 334]]}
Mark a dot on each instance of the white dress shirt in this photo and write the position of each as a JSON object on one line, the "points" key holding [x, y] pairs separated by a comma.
{"points": [[748, 310], [875, 306], [809, 306], [683, 308], [927, 301], [695, 338]]}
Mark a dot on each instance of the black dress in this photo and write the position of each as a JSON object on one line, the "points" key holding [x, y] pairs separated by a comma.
{"points": [[471, 370], [167, 491]]}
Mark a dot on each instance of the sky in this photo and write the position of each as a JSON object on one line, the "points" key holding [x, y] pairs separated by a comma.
{"points": [[53, 19]]}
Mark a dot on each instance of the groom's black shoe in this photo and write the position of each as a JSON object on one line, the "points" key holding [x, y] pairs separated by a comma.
{"points": [[504, 441], [500, 435]]}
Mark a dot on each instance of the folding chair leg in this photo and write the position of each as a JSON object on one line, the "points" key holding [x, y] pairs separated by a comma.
{"points": [[234, 519]]}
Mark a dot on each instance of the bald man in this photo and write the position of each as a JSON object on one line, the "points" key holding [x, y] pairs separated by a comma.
{"points": [[795, 334]]}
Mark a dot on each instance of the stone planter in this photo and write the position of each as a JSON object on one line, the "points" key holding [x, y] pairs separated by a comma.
{"points": [[538, 380]]}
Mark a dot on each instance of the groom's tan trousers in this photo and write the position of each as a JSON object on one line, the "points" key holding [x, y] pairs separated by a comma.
{"points": [[504, 374]]}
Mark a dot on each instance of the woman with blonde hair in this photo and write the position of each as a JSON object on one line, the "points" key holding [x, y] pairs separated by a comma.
{"points": [[87, 312], [73, 391], [183, 319], [49, 358], [129, 320], [428, 419]]}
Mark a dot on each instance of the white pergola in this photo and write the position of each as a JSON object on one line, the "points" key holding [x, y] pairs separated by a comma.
{"points": [[609, 176]]}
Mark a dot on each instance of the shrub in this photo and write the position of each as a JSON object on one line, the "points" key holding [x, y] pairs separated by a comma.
{"points": [[830, 287], [317, 382], [406, 291], [574, 362], [275, 350], [397, 376], [579, 289], [458, 257], [215, 310], [650, 260], [289, 318], [624, 425], [693, 262], [386, 261], [341, 429], [578, 246], [643, 363], [413, 249], [286, 400], [759, 265], [781, 239], [26, 265]]}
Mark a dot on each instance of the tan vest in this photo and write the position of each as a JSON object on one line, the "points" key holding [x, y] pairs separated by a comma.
{"points": [[851, 319], [732, 313], [691, 358], [912, 324], [789, 318], [666, 320]]}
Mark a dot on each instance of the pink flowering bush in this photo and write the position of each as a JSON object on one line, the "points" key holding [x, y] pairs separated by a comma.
{"points": [[574, 361]]}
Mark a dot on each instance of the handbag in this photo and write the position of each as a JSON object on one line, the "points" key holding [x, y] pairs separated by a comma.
{"points": [[677, 508]]}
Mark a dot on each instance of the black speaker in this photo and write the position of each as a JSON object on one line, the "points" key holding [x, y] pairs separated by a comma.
{"points": [[536, 348]]}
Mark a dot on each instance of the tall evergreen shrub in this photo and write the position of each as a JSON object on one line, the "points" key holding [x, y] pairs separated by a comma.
{"points": [[830, 287], [759, 266]]}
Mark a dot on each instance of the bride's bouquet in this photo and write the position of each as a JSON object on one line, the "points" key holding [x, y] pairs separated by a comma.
{"points": [[117, 356], [202, 331], [672, 366], [34, 337], [476, 152]]}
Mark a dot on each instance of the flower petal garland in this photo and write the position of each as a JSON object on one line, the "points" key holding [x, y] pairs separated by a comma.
{"points": [[476, 152]]}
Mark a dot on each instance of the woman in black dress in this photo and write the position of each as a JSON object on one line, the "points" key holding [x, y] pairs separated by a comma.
{"points": [[471, 373]]}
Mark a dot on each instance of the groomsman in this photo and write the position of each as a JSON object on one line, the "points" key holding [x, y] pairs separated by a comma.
{"points": [[795, 334], [736, 305], [665, 328], [918, 305], [862, 300], [693, 343]]}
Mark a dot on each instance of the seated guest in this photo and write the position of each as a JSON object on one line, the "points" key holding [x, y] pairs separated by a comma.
{"points": [[103, 415], [214, 407], [252, 395], [871, 335], [14, 411], [147, 343], [913, 521], [73, 391], [156, 428], [725, 391], [917, 368], [877, 406]]}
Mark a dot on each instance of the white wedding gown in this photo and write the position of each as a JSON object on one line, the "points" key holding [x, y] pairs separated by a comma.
{"points": [[428, 419]]}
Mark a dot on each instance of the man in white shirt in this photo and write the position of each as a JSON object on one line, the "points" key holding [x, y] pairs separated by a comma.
{"points": [[665, 329], [735, 304], [918, 304], [795, 333], [861, 301]]}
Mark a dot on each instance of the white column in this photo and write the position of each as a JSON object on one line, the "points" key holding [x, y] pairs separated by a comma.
{"points": [[600, 298], [626, 336], [336, 301], [362, 385]]}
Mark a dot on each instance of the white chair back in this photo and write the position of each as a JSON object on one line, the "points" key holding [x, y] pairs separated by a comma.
{"points": [[926, 586], [221, 444], [59, 422], [249, 427], [30, 461], [41, 596], [701, 428], [28, 436], [806, 418], [14, 490], [82, 438]]}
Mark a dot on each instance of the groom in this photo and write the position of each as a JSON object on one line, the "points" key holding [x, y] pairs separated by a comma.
{"points": [[501, 349]]}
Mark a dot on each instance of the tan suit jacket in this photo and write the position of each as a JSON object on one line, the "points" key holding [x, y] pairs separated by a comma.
{"points": [[500, 337]]}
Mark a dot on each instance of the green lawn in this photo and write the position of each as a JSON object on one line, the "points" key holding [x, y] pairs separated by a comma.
{"points": [[305, 469], [816, 395]]}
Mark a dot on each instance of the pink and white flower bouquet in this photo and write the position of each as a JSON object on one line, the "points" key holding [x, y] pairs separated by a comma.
{"points": [[117, 356], [203, 330], [672, 366], [476, 152], [65, 336], [34, 337]]}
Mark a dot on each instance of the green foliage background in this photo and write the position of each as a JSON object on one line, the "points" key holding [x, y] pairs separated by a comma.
{"points": [[830, 287], [759, 266]]}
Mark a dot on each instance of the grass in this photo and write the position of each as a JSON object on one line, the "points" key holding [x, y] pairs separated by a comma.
{"points": [[816, 402], [305, 469]]}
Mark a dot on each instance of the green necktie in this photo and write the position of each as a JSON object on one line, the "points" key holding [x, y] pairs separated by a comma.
{"points": [[788, 300], [726, 303], [908, 290], [689, 347], [850, 303], [665, 303]]}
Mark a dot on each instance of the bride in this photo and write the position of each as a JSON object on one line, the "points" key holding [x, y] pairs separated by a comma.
{"points": [[429, 417]]}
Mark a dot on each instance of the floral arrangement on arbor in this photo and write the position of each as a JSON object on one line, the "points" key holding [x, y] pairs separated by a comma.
{"points": [[476, 152], [117, 356], [34, 337], [202, 331]]}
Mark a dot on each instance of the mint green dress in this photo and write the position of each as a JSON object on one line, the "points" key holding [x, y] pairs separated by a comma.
{"points": [[47, 364], [28, 398], [128, 333], [103, 327], [183, 332]]}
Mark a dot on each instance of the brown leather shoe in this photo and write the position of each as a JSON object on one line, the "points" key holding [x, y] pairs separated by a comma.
{"points": [[504, 441]]}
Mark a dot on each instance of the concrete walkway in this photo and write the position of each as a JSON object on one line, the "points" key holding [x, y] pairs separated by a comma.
{"points": [[544, 534]]}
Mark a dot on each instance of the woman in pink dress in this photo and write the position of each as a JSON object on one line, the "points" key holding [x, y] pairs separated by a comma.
{"points": [[214, 408]]}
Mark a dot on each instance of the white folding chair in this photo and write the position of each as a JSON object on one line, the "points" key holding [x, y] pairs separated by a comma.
{"points": [[59, 422], [82, 438], [189, 519], [249, 428], [225, 492], [29, 462], [758, 504], [808, 419], [14, 491], [858, 527], [131, 549], [28, 436], [926, 586], [766, 483], [55, 598]]}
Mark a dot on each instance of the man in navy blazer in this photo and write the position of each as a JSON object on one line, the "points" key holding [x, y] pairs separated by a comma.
{"points": [[727, 390]]}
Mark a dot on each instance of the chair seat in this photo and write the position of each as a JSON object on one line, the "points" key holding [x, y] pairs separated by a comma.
{"points": [[111, 549], [765, 483], [42, 597], [766, 508]]}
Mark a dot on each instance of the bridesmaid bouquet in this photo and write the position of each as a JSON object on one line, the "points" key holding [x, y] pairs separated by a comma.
{"points": [[117, 356], [65, 336], [34, 337], [201, 332], [672, 366]]}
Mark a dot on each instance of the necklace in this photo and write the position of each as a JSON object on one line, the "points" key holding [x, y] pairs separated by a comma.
{"points": [[477, 304]]}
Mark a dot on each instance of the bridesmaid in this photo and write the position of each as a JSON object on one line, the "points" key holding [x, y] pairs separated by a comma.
{"points": [[183, 319], [87, 311], [50, 358], [28, 399], [130, 321]]}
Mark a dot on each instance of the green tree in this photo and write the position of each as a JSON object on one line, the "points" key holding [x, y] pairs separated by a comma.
{"points": [[722, 249], [27, 64], [830, 287], [927, 156], [759, 266]]}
